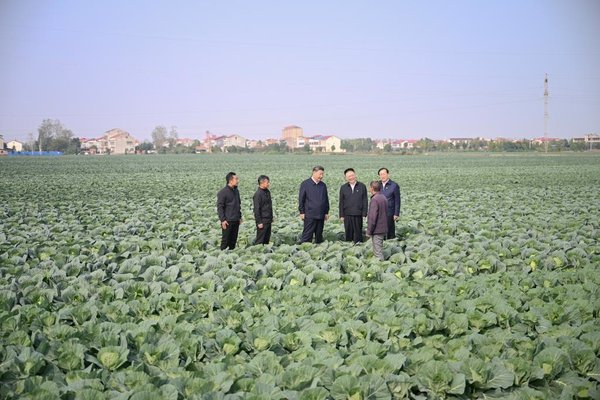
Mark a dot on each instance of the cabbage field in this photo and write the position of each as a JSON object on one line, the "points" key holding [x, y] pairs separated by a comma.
{"points": [[112, 285]]}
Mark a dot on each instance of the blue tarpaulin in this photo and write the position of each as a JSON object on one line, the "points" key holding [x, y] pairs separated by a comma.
{"points": [[36, 153]]}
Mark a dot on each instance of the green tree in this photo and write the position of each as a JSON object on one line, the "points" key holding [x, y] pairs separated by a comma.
{"points": [[347, 145], [74, 147], [425, 144], [159, 137], [145, 146], [173, 137], [577, 146], [53, 136]]}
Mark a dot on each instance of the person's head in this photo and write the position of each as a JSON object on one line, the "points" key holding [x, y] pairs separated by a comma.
{"points": [[317, 173], [232, 179], [384, 174], [375, 187], [350, 175], [263, 182]]}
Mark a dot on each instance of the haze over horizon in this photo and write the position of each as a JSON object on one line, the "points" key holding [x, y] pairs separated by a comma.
{"points": [[388, 69]]}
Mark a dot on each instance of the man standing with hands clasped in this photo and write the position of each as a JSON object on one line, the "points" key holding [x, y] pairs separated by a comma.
{"points": [[263, 210], [229, 211], [377, 219], [391, 191], [313, 204], [353, 206]]}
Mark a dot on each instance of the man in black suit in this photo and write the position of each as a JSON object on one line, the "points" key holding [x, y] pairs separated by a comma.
{"points": [[263, 210], [229, 211], [354, 205], [313, 204]]}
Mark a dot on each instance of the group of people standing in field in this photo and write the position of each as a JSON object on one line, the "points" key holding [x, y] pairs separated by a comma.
{"points": [[313, 204]]}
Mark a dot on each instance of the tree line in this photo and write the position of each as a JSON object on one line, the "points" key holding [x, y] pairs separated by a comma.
{"points": [[53, 136], [367, 145]]}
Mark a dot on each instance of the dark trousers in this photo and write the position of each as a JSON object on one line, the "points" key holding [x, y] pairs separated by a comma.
{"points": [[353, 225], [391, 225], [229, 236], [263, 235], [312, 227]]}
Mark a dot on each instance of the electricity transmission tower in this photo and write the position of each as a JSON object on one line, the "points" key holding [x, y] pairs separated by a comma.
{"points": [[546, 113]]}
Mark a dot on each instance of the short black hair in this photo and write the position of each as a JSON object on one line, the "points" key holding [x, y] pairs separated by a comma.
{"points": [[376, 185], [263, 178], [348, 170], [229, 176], [387, 171], [318, 168]]}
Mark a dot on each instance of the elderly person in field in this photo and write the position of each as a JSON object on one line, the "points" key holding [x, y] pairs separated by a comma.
{"points": [[377, 219]]}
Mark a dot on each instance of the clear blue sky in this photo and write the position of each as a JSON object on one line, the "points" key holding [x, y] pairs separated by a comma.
{"points": [[403, 69]]}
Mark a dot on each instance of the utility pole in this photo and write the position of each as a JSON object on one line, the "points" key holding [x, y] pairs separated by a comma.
{"points": [[546, 113]]}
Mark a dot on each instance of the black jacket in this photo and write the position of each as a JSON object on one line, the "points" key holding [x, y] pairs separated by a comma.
{"points": [[263, 206], [229, 204], [313, 200], [353, 202], [391, 191]]}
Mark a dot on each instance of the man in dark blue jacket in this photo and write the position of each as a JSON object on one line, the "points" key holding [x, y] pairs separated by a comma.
{"points": [[313, 204], [391, 191]]}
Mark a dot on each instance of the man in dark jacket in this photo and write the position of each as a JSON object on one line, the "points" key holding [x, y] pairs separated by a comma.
{"points": [[229, 211], [313, 204], [263, 210], [353, 206], [377, 219], [391, 191]]}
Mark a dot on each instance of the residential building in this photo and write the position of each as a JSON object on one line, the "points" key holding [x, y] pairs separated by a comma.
{"points": [[114, 141], [255, 144], [589, 138], [186, 142], [403, 144], [332, 144], [320, 143], [233, 141], [271, 141], [460, 141], [14, 145], [542, 140], [218, 141], [397, 144], [202, 148], [380, 143], [291, 134]]}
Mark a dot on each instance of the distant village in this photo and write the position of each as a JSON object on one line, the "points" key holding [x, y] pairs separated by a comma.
{"points": [[293, 139]]}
